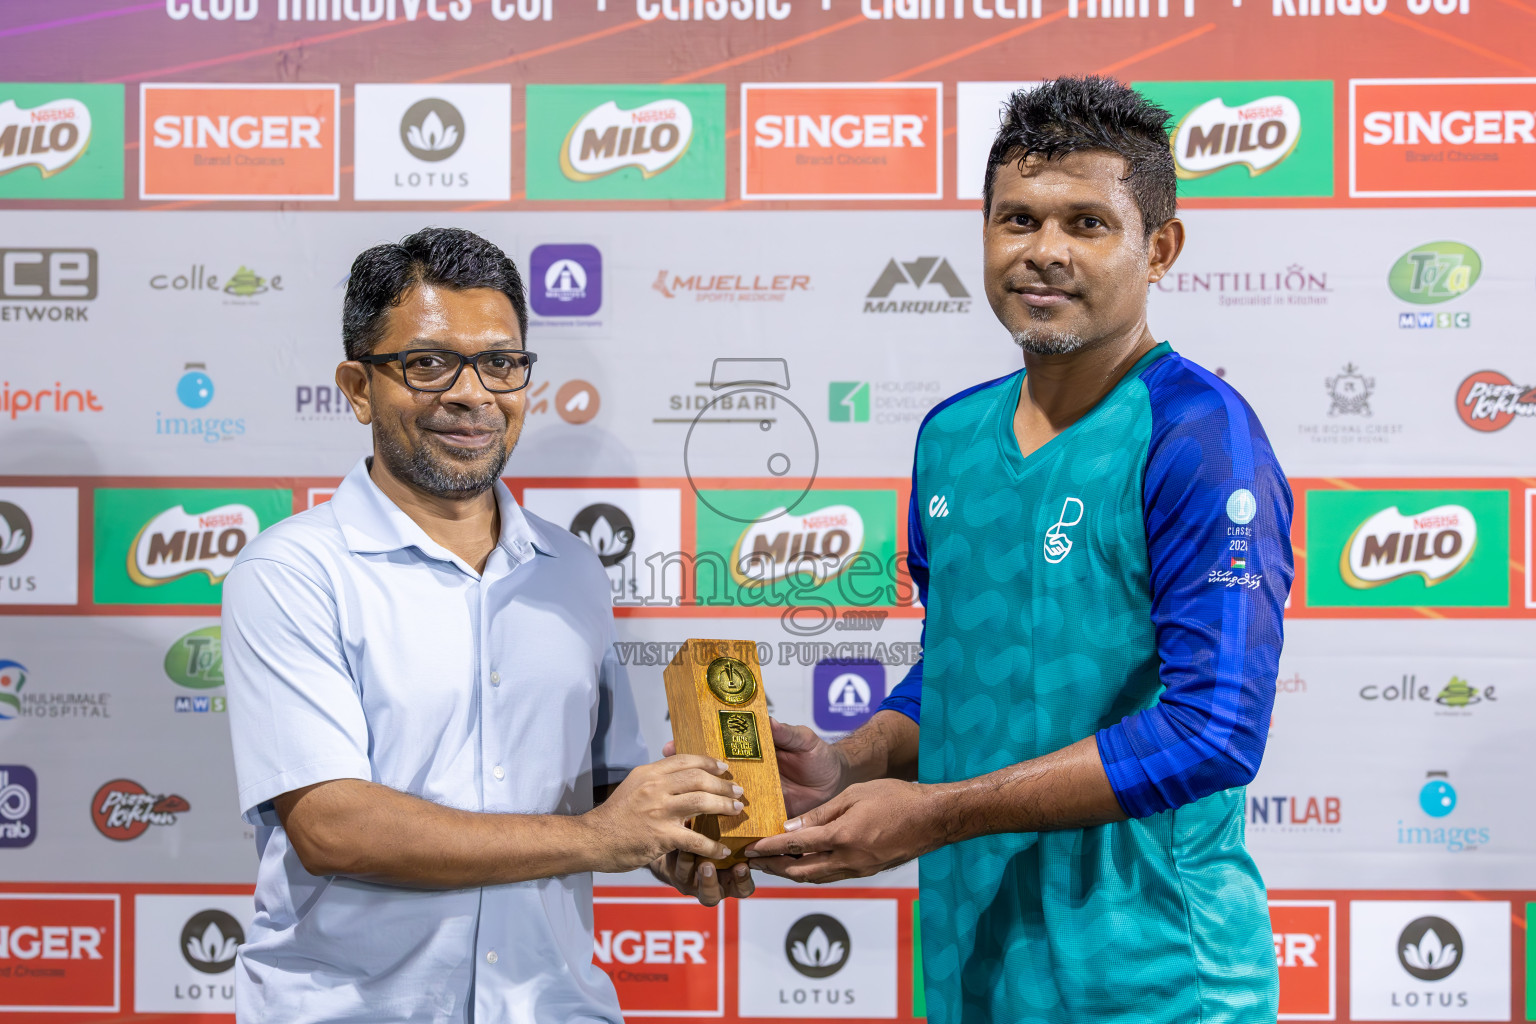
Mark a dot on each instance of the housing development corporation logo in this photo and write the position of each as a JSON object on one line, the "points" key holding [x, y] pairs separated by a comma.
{"points": [[1487, 401], [61, 141], [626, 142], [1432, 137], [1259, 138], [930, 278], [18, 806], [842, 141], [432, 142], [122, 809]]}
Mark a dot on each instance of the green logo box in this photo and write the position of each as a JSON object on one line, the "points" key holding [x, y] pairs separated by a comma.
{"points": [[848, 401], [595, 142], [834, 524], [1474, 575], [174, 546], [46, 155], [919, 992], [1283, 148]]}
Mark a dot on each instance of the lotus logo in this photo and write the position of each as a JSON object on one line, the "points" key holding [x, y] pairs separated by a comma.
{"points": [[650, 138], [1430, 948], [1434, 544], [821, 543], [177, 543], [607, 531], [1257, 135], [15, 533], [817, 946], [210, 940], [432, 130], [13, 676], [49, 137], [1435, 272]]}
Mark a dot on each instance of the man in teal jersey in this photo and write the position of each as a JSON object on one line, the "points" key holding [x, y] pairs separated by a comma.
{"points": [[1101, 542]]}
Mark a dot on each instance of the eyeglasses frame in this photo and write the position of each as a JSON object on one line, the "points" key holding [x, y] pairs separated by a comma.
{"points": [[383, 358]]}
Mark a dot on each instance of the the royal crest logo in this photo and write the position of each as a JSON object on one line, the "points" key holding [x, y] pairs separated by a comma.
{"points": [[1256, 135], [819, 543], [50, 137], [1389, 545], [1351, 392], [176, 543], [651, 138], [123, 810]]}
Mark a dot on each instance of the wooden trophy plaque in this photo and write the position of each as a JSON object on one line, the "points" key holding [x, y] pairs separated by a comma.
{"points": [[716, 700]]}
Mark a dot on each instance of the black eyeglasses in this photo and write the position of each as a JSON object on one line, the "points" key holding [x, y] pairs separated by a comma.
{"points": [[437, 369]]}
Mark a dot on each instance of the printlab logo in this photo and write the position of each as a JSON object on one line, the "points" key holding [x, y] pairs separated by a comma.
{"points": [[928, 275], [846, 693], [607, 530], [1057, 544], [1487, 401], [1431, 274], [432, 130], [18, 806], [209, 941], [1430, 948], [848, 401], [566, 281], [61, 141], [817, 945], [123, 810], [46, 284], [13, 676], [194, 390], [15, 533], [1295, 813]]}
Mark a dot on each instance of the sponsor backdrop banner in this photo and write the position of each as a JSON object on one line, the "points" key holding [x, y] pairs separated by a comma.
{"points": [[749, 232]]}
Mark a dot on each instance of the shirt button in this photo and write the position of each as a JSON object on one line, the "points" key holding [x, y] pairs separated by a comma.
{"points": [[495, 678], [499, 772], [490, 957]]}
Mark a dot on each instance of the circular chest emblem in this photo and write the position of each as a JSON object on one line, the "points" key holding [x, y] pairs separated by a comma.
{"points": [[731, 681], [1242, 506]]}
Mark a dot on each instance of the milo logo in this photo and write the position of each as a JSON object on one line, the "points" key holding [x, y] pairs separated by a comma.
{"points": [[176, 543], [818, 543], [1435, 272], [1256, 135], [1433, 544], [49, 137], [652, 138]]}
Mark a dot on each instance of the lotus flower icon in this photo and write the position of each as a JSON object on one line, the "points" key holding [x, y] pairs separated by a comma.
{"points": [[817, 945], [432, 134], [432, 129], [1430, 948], [15, 533], [210, 940], [212, 946], [1431, 954], [818, 950]]}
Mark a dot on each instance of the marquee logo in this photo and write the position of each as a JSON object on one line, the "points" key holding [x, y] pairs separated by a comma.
{"points": [[177, 543], [1487, 401], [1256, 135], [1434, 544], [652, 138], [49, 137], [820, 543], [123, 810]]}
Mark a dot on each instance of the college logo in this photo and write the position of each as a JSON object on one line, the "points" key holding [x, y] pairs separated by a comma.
{"points": [[123, 810], [842, 141], [1057, 544], [1457, 695], [930, 275], [39, 545], [1250, 138], [565, 280], [1407, 548], [46, 284], [1432, 137], [13, 676], [432, 142], [846, 693], [1435, 272], [18, 806], [817, 958], [1303, 933], [1489, 401], [626, 142], [209, 941], [61, 141], [665, 955], [206, 141], [244, 283], [58, 953], [175, 546]]}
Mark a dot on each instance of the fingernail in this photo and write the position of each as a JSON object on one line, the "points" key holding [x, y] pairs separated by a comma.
{"points": [[752, 853], [737, 791], [707, 871], [791, 824], [741, 871], [723, 766], [724, 852], [736, 806]]}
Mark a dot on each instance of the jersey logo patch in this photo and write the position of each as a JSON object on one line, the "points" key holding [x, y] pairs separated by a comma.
{"points": [[1057, 543], [938, 506]]}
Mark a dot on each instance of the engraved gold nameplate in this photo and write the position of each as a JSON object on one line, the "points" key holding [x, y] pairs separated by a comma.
{"points": [[738, 732]]}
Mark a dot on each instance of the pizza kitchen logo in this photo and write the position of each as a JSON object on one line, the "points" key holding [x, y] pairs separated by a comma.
{"points": [[1487, 401], [177, 543], [123, 810], [1390, 545]]}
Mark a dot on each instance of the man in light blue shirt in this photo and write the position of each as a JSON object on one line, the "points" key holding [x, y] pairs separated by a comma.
{"points": [[425, 702]]}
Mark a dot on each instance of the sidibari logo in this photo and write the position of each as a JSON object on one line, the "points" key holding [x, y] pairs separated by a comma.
{"points": [[50, 137], [196, 661], [1257, 135], [123, 810], [651, 138], [817, 945], [1435, 272], [176, 543], [210, 940], [1487, 401], [1389, 545], [821, 543]]}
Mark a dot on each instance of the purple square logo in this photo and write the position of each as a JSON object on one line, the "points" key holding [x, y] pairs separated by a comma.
{"points": [[846, 692], [565, 280], [18, 806]]}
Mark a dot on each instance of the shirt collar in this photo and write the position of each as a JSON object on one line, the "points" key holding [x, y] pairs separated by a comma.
{"points": [[371, 523]]}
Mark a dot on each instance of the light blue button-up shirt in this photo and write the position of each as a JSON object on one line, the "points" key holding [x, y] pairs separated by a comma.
{"points": [[355, 647]]}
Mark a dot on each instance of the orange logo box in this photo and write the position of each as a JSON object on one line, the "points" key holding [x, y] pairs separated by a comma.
{"points": [[837, 141], [1442, 137], [1304, 941], [666, 955], [58, 952], [238, 141]]}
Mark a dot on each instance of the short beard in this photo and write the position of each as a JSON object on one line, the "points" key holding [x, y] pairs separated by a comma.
{"points": [[428, 473], [1038, 339]]}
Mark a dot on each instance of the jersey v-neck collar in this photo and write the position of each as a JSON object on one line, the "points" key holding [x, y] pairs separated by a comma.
{"points": [[1019, 465]]}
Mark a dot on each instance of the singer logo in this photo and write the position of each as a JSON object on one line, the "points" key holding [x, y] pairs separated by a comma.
{"points": [[1303, 935], [665, 955], [1431, 137], [238, 141], [58, 953], [839, 141]]}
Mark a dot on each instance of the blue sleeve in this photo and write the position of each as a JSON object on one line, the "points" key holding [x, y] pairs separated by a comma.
{"points": [[1218, 521], [907, 696]]}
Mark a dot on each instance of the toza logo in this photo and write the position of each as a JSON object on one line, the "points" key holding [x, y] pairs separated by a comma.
{"points": [[1430, 948], [1434, 544], [209, 941], [176, 543], [432, 129], [1350, 392], [1057, 544], [651, 138], [817, 945], [1257, 135], [1435, 272], [1488, 401], [50, 137], [196, 661]]}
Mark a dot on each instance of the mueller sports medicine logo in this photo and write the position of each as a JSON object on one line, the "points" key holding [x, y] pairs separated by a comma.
{"points": [[608, 138], [238, 141], [931, 278], [731, 287], [50, 137], [177, 543], [1430, 137], [1434, 544], [123, 810], [46, 285], [842, 141], [1487, 401], [1256, 135]]}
